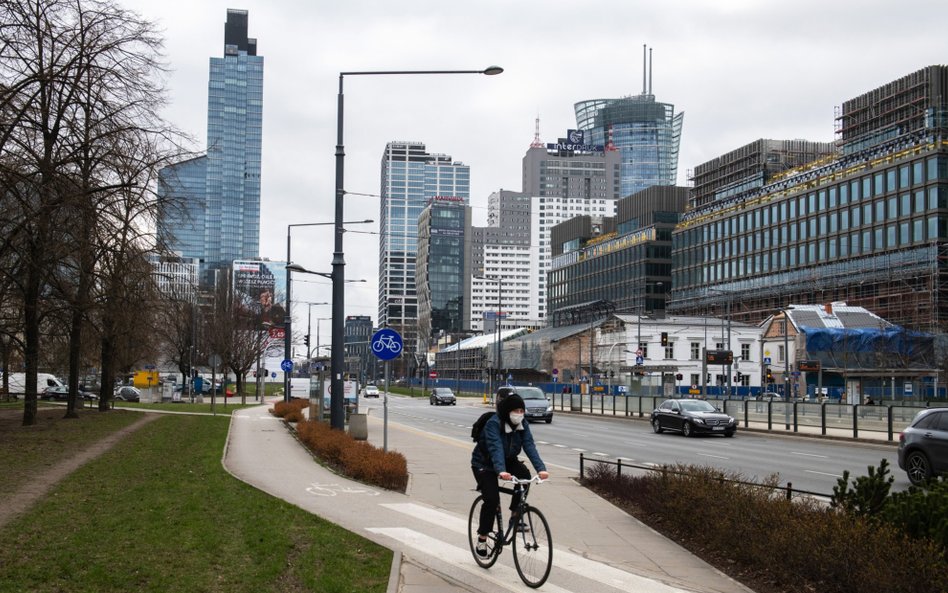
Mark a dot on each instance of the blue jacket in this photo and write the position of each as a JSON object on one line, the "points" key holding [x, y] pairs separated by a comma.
{"points": [[502, 445]]}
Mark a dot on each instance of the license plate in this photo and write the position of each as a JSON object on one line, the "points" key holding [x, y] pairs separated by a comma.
{"points": [[717, 428]]}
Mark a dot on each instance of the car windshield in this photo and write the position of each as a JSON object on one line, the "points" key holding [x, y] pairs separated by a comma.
{"points": [[442, 391], [528, 393], [697, 406]]}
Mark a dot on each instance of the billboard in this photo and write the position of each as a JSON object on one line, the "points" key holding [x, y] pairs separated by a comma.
{"points": [[258, 289]]}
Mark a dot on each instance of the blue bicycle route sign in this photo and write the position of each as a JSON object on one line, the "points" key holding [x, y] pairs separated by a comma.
{"points": [[386, 344]]}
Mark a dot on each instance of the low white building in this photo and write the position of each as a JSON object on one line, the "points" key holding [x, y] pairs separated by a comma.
{"points": [[672, 352]]}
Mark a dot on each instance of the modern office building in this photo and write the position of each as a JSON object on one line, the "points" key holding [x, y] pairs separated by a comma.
{"points": [[623, 260], [443, 270], [867, 225], [213, 209], [176, 277], [411, 177], [359, 357], [646, 133]]}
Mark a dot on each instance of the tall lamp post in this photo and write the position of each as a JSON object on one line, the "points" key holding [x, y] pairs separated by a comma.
{"points": [[497, 353], [288, 336], [337, 411]]}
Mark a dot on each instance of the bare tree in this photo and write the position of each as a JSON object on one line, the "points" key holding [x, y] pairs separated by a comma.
{"points": [[80, 142]]}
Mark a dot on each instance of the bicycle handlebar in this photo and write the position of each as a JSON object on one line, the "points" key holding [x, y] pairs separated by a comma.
{"points": [[516, 480]]}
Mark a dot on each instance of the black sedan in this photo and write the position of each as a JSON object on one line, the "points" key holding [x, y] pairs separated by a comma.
{"points": [[61, 393], [923, 446], [692, 417]]}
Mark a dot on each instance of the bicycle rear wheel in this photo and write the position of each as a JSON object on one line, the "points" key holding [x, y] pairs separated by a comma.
{"points": [[533, 549], [493, 548]]}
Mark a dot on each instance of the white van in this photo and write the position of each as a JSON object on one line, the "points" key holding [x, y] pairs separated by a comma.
{"points": [[43, 381]]}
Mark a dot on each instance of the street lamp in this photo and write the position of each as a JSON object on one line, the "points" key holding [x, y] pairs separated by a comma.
{"points": [[497, 353], [288, 335], [309, 328], [337, 413]]}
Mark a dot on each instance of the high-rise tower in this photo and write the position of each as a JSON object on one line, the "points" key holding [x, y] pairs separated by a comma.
{"points": [[411, 178], [645, 132], [217, 213]]}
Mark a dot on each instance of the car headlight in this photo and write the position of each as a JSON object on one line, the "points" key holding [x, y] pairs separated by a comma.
{"points": [[731, 420], [698, 420], [549, 408]]}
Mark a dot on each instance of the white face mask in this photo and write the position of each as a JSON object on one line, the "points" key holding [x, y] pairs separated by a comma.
{"points": [[516, 419]]}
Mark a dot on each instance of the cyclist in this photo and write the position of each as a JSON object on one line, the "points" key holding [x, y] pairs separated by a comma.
{"points": [[504, 435]]}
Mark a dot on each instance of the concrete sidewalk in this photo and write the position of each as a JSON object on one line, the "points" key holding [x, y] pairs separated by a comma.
{"points": [[596, 546]]}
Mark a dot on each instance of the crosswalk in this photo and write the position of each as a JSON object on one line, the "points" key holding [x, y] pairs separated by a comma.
{"points": [[457, 553]]}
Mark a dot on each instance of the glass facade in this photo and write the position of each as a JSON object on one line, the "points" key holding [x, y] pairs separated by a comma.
{"points": [[646, 133], [411, 177], [442, 268], [218, 217]]}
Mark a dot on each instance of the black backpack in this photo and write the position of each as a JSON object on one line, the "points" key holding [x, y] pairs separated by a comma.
{"points": [[478, 426]]}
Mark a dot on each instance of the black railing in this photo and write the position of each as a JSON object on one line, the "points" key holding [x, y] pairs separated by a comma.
{"points": [[787, 489]]}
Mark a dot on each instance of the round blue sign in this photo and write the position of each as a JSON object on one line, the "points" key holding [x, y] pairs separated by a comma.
{"points": [[286, 365], [386, 344]]}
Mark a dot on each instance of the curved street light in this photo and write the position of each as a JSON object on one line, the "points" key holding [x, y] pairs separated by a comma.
{"points": [[337, 412]]}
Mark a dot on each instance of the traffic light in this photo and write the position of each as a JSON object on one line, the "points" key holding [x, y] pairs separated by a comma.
{"points": [[770, 376], [306, 340], [664, 338], [679, 377]]}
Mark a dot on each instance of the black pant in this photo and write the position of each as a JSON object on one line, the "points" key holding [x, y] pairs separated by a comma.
{"points": [[490, 489]]}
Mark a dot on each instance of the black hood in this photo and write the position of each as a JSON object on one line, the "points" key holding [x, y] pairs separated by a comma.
{"points": [[511, 402]]}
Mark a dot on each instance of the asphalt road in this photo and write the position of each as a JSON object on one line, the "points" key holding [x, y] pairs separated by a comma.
{"points": [[811, 464]]}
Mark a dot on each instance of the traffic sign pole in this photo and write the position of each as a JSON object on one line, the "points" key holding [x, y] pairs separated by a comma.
{"points": [[386, 344]]}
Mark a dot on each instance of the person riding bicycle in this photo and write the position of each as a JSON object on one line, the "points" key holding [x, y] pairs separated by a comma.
{"points": [[504, 435]]}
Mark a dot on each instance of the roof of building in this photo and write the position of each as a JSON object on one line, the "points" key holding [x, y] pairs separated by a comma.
{"points": [[835, 315]]}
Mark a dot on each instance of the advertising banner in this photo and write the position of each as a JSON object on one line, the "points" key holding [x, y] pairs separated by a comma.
{"points": [[257, 288]]}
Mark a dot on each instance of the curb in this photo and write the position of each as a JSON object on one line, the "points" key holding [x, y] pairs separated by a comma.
{"points": [[394, 577]]}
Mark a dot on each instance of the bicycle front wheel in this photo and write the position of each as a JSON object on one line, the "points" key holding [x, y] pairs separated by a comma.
{"points": [[533, 549], [493, 548]]}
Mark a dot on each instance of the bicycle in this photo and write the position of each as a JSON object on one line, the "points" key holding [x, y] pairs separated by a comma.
{"points": [[529, 536]]}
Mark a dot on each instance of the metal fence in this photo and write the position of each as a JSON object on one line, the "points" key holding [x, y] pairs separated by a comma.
{"points": [[788, 491], [883, 420]]}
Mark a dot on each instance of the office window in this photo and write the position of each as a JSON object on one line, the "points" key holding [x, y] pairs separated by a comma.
{"points": [[695, 350], [745, 352]]}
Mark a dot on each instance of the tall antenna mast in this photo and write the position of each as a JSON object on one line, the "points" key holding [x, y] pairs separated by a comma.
{"points": [[650, 71], [536, 136], [643, 69]]}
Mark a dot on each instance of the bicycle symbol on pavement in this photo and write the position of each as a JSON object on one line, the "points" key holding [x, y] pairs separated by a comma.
{"points": [[334, 489]]}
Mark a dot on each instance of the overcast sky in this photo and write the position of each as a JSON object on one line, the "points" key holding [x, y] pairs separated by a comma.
{"points": [[739, 69]]}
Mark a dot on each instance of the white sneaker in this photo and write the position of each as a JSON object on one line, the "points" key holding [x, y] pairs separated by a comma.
{"points": [[481, 547]]}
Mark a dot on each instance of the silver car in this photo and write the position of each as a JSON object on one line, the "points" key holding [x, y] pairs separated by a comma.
{"points": [[923, 445]]}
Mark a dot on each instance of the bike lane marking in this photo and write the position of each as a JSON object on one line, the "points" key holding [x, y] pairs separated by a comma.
{"points": [[500, 574], [562, 559]]}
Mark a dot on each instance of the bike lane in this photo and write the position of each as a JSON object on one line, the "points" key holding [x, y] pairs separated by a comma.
{"points": [[596, 546]]}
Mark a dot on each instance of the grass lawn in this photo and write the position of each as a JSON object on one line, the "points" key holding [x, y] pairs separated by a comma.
{"points": [[159, 513], [204, 408]]}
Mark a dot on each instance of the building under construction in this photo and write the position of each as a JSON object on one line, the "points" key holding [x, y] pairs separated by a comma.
{"points": [[867, 224]]}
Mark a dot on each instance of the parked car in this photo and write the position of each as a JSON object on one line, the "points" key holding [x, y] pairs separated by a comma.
{"points": [[923, 445], [442, 396], [370, 391], [692, 417], [128, 393], [768, 395]]}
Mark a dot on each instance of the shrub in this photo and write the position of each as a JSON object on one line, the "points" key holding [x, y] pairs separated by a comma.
{"points": [[869, 494], [357, 459], [921, 513], [281, 409], [753, 531], [294, 416]]}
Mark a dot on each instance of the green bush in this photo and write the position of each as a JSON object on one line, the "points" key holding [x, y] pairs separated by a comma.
{"points": [[776, 544], [921, 512], [868, 495]]}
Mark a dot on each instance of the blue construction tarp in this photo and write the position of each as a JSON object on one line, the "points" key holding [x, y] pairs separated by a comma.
{"points": [[883, 348]]}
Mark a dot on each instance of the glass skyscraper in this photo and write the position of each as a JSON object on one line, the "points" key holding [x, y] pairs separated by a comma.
{"points": [[645, 132], [410, 179], [218, 220]]}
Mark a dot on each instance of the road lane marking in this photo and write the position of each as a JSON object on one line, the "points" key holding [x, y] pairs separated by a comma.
{"points": [[809, 471], [600, 454], [809, 454], [713, 456], [562, 560]]}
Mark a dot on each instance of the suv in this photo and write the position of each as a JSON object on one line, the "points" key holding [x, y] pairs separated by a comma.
{"points": [[536, 405], [923, 445], [370, 391], [442, 395]]}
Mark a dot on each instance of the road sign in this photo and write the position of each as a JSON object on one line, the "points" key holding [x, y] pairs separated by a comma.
{"points": [[286, 365], [433, 375], [386, 344], [767, 360], [556, 372], [639, 359], [639, 353]]}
